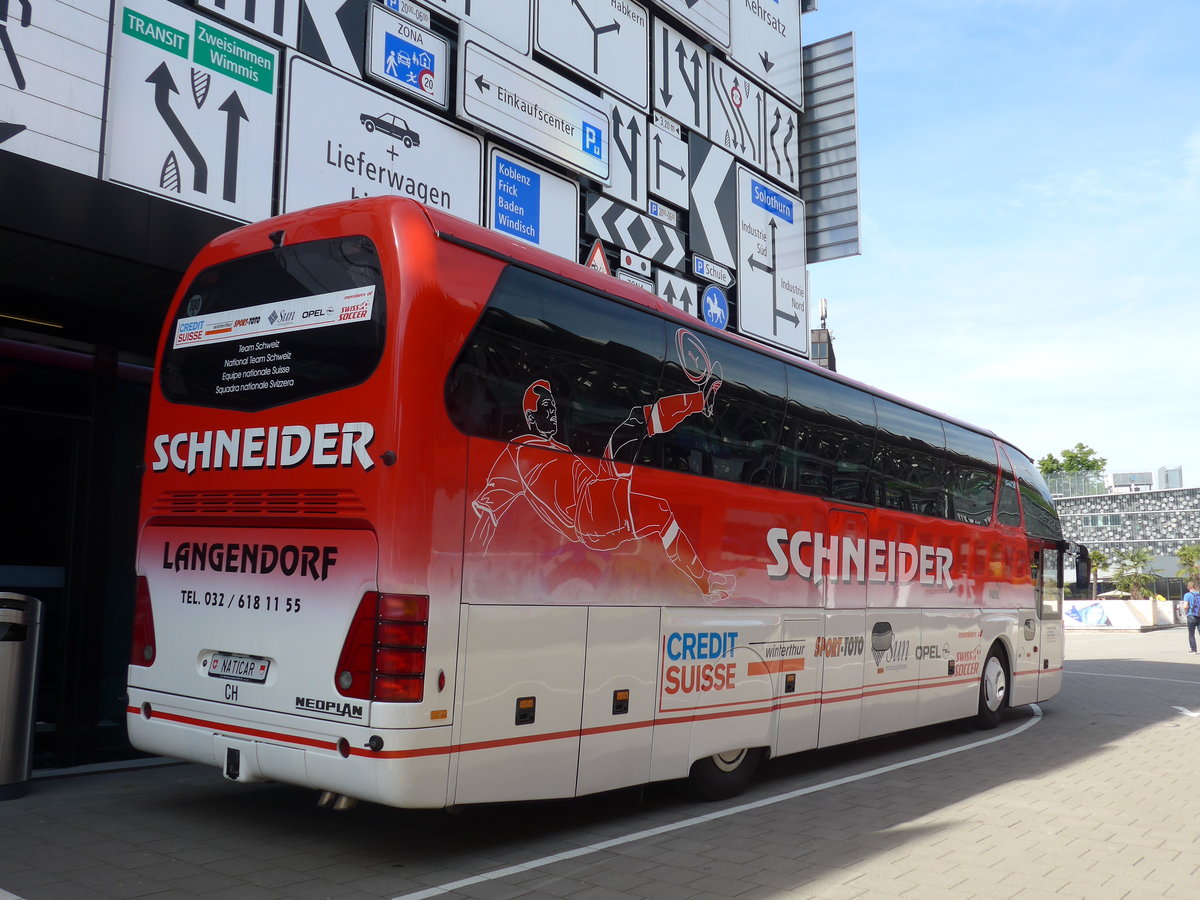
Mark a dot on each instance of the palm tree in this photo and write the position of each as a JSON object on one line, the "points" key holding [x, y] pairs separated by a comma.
{"points": [[1189, 561], [1129, 575]]}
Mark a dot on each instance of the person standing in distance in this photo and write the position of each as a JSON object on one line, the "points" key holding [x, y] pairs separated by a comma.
{"points": [[1192, 599]]}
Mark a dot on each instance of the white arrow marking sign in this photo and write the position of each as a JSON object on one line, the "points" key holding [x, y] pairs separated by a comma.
{"points": [[618, 224]]}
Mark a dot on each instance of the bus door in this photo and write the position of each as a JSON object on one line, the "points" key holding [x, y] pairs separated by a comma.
{"points": [[840, 649], [1050, 670], [1027, 641]]}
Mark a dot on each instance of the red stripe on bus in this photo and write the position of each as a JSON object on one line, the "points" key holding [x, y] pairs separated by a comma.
{"points": [[776, 665], [682, 717]]}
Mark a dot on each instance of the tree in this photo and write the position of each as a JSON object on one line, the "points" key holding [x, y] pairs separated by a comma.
{"points": [[1129, 576], [1189, 561], [1099, 559], [1082, 458], [1050, 465], [1080, 461]]}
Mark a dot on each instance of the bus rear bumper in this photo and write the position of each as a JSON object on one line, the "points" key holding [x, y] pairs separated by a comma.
{"points": [[409, 769]]}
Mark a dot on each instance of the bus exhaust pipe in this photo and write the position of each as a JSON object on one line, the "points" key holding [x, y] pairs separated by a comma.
{"points": [[336, 802]]}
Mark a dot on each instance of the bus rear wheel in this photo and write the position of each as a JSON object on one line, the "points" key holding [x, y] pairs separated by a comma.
{"points": [[724, 775], [993, 690]]}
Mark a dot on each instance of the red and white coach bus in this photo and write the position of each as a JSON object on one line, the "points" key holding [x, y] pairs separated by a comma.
{"points": [[430, 517]]}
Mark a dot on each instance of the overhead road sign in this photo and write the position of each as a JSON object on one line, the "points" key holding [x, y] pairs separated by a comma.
{"points": [[639, 265], [191, 111], [665, 213], [629, 229], [678, 291], [714, 307], [781, 143], [49, 111], [534, 107], [711, 271], [630, 154], [277, 20], [829, 166], [334, 33], [680, 88], [736, 113], [636, 280], [404, 56], [712, 216], [709, 17], [765, 41], [604, 41], [415, 13], [344, 139], [531, 204], [668, 165], [596, 258], [772, 305], [509, 22]]}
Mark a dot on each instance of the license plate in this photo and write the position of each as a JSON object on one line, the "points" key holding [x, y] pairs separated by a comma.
{"points": [[235, 667]]}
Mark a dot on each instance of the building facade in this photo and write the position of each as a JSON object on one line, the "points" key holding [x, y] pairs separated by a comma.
{"points": [[1158, 521]]}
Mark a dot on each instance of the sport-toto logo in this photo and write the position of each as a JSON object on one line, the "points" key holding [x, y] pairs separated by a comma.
{"points": [[815, 556], [279, 446]]}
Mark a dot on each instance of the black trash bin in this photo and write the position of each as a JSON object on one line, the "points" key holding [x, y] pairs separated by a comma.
{"points": [[20, 640]]}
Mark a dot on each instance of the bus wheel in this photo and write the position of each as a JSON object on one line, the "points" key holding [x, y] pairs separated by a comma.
{"points": [[993, 690], [723, 775]]}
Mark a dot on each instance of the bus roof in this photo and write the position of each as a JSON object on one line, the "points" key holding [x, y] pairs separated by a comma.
{"points": [[405, 212]]}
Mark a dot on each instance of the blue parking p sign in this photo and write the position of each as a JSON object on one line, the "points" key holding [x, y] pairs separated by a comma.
{"points": [[593, 140]]}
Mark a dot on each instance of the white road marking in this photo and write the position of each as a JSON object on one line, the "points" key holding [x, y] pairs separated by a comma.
{"points": [[1138, 677], [711, 817]]}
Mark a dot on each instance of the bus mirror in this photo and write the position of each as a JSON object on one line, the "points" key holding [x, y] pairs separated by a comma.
{"points": [[1083, 567]]}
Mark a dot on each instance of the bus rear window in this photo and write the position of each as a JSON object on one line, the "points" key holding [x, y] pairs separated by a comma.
{"points": [[279, 326]]}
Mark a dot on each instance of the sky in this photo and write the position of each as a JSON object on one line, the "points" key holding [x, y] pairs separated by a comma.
{"points": [[1030, 220]]}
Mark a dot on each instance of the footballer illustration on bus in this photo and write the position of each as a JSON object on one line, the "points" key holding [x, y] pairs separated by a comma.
{"points": [[593, 502]]}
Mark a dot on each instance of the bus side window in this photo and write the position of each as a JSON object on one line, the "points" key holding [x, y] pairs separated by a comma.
{"points": [[1009, 511], [487, 383], [828, 438], [972, 475], [910, 460], [601, 360], [1041, 520], [738, 440]]}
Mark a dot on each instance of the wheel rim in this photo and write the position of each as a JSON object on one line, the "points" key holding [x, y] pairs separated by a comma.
{"points": [[729, 762], [995, 684]]}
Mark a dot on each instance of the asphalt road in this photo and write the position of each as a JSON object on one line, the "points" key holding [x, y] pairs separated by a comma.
{"points": [[1088, 796]]}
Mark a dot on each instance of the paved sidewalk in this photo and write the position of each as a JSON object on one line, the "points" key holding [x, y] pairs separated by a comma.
{"points": [[1093, 800]]}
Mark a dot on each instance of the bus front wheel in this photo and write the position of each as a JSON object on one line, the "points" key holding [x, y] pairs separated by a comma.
{"points": [[723, 775], [993, 690]]}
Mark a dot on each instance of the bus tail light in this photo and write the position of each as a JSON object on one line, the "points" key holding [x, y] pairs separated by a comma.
{"points": [[142, 651], [383, 657]]}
